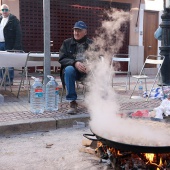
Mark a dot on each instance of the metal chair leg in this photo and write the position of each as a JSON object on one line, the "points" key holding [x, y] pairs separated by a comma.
{"points": [[134, 88], [65, 90], [129, 80], [22, 79], [61, 96], [152, 88], [7, 72]]}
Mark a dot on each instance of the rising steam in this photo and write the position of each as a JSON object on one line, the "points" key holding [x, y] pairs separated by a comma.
{"points": [[102, 100], [109, 37]]}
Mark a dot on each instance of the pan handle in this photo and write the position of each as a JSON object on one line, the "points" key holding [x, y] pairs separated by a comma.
{"points": [[88, 137]]}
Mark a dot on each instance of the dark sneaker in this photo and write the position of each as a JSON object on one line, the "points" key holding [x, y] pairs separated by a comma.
{"points": [[73, 108]]}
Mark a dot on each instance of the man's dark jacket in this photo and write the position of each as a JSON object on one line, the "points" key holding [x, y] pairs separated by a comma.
{"points": [[67, 54], [12, 33]]}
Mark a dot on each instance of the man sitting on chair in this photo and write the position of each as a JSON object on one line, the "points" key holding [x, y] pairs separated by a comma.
{"points": [[71, 58]]}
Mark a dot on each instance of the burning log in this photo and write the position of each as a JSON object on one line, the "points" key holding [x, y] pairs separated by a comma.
{"points": [[119, 159], [87, 150], [86, 142], [89, 146]]}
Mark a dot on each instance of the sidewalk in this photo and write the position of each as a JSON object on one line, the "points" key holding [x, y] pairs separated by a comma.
{"points": [[15, 115]]}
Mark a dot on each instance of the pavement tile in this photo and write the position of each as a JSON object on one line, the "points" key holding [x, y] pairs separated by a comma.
{"points": [[15, 110]]}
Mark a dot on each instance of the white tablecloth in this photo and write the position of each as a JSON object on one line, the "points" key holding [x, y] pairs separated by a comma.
{"points": [[9, 59]]}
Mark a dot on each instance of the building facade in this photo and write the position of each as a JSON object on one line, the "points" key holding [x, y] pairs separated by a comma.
{"points": [[139, 40]]}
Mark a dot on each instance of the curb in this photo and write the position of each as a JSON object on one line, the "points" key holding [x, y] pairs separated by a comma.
{"points": [[67, 121], [40, 124]]}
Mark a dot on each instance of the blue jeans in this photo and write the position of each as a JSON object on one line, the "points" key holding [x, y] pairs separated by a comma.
{"points": [[71, 75], [11, 74], [10, 69]]}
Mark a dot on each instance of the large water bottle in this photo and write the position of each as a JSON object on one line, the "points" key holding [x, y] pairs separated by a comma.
{"points": [[52, 95], [1, 99], [37, 96], [140, 89]]}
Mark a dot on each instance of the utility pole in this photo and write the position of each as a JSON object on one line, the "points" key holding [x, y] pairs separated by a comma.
{"points": [[165, 43], [47, 52]]}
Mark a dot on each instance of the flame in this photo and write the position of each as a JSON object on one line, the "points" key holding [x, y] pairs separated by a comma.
{"points": [[149, 156], [99, 144], [106, 148], [150, 159], [160, 163]]}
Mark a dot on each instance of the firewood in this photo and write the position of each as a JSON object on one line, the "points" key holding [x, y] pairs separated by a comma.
{"points": [[86, 142], [87, 150]]}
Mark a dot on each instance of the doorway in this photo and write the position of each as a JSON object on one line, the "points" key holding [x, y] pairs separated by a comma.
{"points": [[150, 25]]}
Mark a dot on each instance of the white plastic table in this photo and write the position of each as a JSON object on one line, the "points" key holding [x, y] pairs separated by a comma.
{"points": [[17, 59], [9, 59]]}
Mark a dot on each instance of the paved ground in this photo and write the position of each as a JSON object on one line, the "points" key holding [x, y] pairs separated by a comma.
{"points": [[15, 115]]}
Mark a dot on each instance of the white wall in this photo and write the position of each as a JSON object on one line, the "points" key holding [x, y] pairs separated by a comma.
{"points": [[137, 51], [156, 5]]}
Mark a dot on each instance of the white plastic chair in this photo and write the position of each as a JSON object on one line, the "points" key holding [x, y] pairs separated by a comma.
{"points": [[84, 83], [151, 60], [117, 59]]}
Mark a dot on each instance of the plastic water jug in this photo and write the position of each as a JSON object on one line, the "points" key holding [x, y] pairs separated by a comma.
{"points": [[52, 95], [1, 99], [37, 96], [140, 89]]}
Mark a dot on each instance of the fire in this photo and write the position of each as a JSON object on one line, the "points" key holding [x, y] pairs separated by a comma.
{"points": [[105, 149], [99, 144], [149, 156], [117, 158]]}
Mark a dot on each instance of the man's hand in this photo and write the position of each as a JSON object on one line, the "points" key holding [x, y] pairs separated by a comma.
{"points": [[81, 67]]}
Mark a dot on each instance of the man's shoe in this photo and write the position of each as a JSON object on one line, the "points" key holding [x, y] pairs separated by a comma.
{"points": [[73, 108]]}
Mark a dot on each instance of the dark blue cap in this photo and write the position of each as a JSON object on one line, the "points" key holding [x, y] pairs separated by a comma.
{"points": [[80, 25]]}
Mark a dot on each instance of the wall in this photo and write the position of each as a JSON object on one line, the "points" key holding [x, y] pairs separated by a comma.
{"points": [[136, 49], [134, 34], [133, 40]]}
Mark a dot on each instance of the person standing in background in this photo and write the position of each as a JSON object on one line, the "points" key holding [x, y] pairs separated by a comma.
{"points": [[158, 34], [10, 36]]}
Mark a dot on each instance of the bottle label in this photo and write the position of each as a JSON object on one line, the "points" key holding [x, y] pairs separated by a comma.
{"points": [[56, 91], [38, 93]]}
